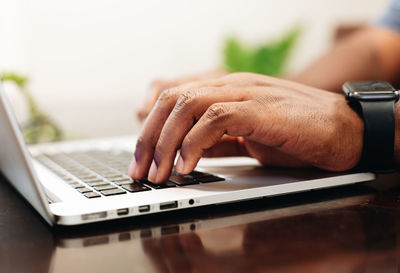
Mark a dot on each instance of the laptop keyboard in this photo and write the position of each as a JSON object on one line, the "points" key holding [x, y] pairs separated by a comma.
{"points": [[103, 173]]}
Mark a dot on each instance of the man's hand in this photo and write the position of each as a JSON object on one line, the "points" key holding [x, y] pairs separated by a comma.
{"points": [[278, 122]]}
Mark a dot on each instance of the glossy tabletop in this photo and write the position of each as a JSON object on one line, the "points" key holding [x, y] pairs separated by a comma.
{"points": [[346, 229]]}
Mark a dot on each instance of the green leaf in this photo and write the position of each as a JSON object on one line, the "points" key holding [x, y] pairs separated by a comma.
{"points": [[39, 127], [268, 58], [18, 79]]}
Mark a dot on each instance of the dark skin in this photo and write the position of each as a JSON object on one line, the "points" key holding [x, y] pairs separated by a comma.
{"points": [[279, 122]]}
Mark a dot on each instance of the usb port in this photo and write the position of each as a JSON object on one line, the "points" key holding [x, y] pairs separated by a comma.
{"points": [[124, 211], [169, 205], [144, 208]]}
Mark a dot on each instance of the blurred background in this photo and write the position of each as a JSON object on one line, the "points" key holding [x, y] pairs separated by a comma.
{"points": [[90, 62]]}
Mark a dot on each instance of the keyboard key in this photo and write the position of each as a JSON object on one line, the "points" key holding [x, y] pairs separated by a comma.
{"points": [[106, 174], [208, 179], [96, 179], [105, 187], [84, 190], [87, 177], [122, 178], [95, 184], [196, 174], [181, 180], [157, 186], [77, 185], [113, 192], [114, 176], [135, 187], [91, 194], [124, 182]]}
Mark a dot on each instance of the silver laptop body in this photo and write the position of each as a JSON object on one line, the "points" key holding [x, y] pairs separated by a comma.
{"points": [[44, 183]]}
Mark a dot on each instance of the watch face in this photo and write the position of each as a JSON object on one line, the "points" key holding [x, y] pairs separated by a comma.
{"points": [[370, 86], [370, 91]]}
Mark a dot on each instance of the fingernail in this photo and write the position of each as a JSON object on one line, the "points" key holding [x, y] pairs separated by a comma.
{"points": [[152, 172], [132, 168], [179, 167]]}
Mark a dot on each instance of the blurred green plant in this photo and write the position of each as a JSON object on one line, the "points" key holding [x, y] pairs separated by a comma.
{"points": [[269, 58], [39, 127]]}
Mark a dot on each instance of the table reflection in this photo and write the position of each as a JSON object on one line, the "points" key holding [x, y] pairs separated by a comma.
{"points": [[350, 229], [334, 241], [338, 235]]}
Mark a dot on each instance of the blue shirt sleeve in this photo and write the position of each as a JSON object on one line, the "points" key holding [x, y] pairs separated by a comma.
{"points": [[391, 18]]}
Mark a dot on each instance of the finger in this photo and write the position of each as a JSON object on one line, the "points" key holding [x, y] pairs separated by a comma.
{"points": [[152, 127], [190, 106], [219, 119], [143, 155]]}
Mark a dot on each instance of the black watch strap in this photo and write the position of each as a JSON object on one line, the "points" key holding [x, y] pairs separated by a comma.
{"points": [[379, 134]]}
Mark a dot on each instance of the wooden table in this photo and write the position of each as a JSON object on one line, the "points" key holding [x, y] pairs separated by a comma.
{"points": [[347, 229]]}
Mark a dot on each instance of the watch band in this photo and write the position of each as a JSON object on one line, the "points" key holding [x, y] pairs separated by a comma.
{"points": [[379, 134]]}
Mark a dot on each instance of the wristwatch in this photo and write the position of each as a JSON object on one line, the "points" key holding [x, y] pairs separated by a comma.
{"points": [[374, 101]]}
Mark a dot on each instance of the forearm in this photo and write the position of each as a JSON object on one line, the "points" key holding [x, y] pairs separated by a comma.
{"points": [[369, 54]]}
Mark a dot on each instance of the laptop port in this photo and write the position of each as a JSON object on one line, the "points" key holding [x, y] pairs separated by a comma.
{"points": [[169, 230], [145, 208], [169, 205], [93, 216], [124, 211]]}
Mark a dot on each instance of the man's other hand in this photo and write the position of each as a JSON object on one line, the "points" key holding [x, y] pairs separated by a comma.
{"points": [[160, 85]]}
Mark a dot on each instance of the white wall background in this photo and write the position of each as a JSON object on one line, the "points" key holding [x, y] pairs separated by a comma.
{"points": [[91, 61]]}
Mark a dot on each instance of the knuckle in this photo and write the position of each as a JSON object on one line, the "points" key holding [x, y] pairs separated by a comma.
{"points": [[186, 98], [217, 112], [166, 95]]}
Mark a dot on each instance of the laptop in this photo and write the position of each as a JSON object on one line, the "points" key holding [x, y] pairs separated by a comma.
{"points": [[81, 182]]}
